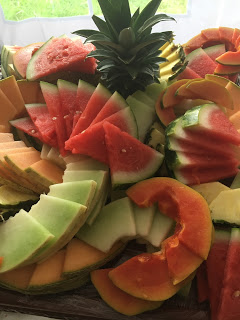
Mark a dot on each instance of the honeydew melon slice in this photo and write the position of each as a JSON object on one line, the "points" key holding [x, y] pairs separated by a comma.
{"points": [[144, 116], [77, 191], [62, 218], [54, 156], [225, 207], [114, 222], [144, 98], [101, 177], [87, 163], [44, 152], [98, 206], [21, 238], [10, 198], [210, 190], [160, 229], [143, 219], [153, 90]]}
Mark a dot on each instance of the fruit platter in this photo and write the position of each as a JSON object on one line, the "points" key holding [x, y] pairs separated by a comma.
{"points": [[119, 172]]}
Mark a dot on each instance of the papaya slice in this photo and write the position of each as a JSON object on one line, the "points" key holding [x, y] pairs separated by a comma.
{"points": [[229, 58], [213, 91], [169, 99], [226, 70], [185, 93], [165, 115], [211, 34], [118, 299], [234, 91], [226, 35], [181, 203], [236, 34], [220, 80]]}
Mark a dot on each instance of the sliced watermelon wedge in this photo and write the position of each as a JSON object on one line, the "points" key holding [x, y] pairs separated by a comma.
{"points": [[68, 93], [53, 102], [91, 142], [84, 93], [215, 263], [188, 73], [26, 125], [129, 159], [113, 105], [97, 100], [41, 118], [215, 51], [200, 62]]}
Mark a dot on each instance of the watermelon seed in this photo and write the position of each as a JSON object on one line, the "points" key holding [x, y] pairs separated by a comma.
{"points": [[54, 118], [124, 150], [33, 131], [236, 294]]}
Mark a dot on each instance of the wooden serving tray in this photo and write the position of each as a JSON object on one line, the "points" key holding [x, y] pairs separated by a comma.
{"points": [[84, 303]]}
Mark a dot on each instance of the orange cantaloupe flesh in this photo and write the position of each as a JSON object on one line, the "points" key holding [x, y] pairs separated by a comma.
{"points": [[185, 93], [12, 145], [10, 88], [31, 91], [221, 80], [4, 152], [213, 91], [7, 110], [18, 278], [169, 99], [234, 91], [236, 34], [165, 115], [81, 256], [45, 172], [181, 261], [229, 58], [118, 299], [19, 161], [226, 33], [145, 276], [235, 119], [211, 34], [181, 203], [48, 271], [226, 70], [5, 128], [6, 137]]}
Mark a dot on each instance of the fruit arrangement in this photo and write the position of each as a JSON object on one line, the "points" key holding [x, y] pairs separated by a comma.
{"points": [[123, 138]]}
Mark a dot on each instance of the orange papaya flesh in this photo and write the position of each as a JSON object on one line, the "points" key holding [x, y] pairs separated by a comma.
{"points": [[145, 276], [226, 70], [229, 58], [213, 91], [226, 35], [18, 278], [169, 99], [185, 93], [118, 299], [220, 80], [189, 208], [181, 261], [165, 115], [211, 34], [194, 43], [236, 34]]}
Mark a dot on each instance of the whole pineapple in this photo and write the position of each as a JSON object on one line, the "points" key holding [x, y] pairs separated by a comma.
{"points": [[126, 50]]}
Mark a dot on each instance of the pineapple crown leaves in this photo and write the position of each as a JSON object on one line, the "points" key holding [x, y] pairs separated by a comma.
{"points": [[125, 44]]}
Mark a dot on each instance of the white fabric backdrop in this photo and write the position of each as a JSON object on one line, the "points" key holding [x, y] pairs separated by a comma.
{"points": [[201, 14]]}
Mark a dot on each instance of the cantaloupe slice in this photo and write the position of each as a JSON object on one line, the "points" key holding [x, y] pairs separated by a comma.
{"points": [[86, 163], [5, 128], [77, 191], [114, 222], [82, 258], [10, 88], [45, 172], [234, 91], [235, 119], [7, 110], [4, 152], [221, 80], [6, 137], [11, 198], [62, 218], [48, 272], [12, 145], [31, 91], [18, 278], [21, 237]]}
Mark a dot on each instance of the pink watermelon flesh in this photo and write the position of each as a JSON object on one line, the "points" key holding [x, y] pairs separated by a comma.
{"points": [[67, 92], [26, 125], [43, 122], [129, 159], [216, 262], [215, 51], [96, 102], [188, 74], [113, 105], [53, 102], [59, 54], [200, 62], [84, 93], [212, 123], [229, 306], [202, 175], [91, 142], [206, 160], [193, 143]]}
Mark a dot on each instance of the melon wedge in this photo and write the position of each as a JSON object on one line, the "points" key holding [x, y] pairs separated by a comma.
{"points": [[115, 221], [81, 258], [62, 218], [118, 299], [144, 218], [7, 110], [30, 91], [6, 137], [25, 237]]}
